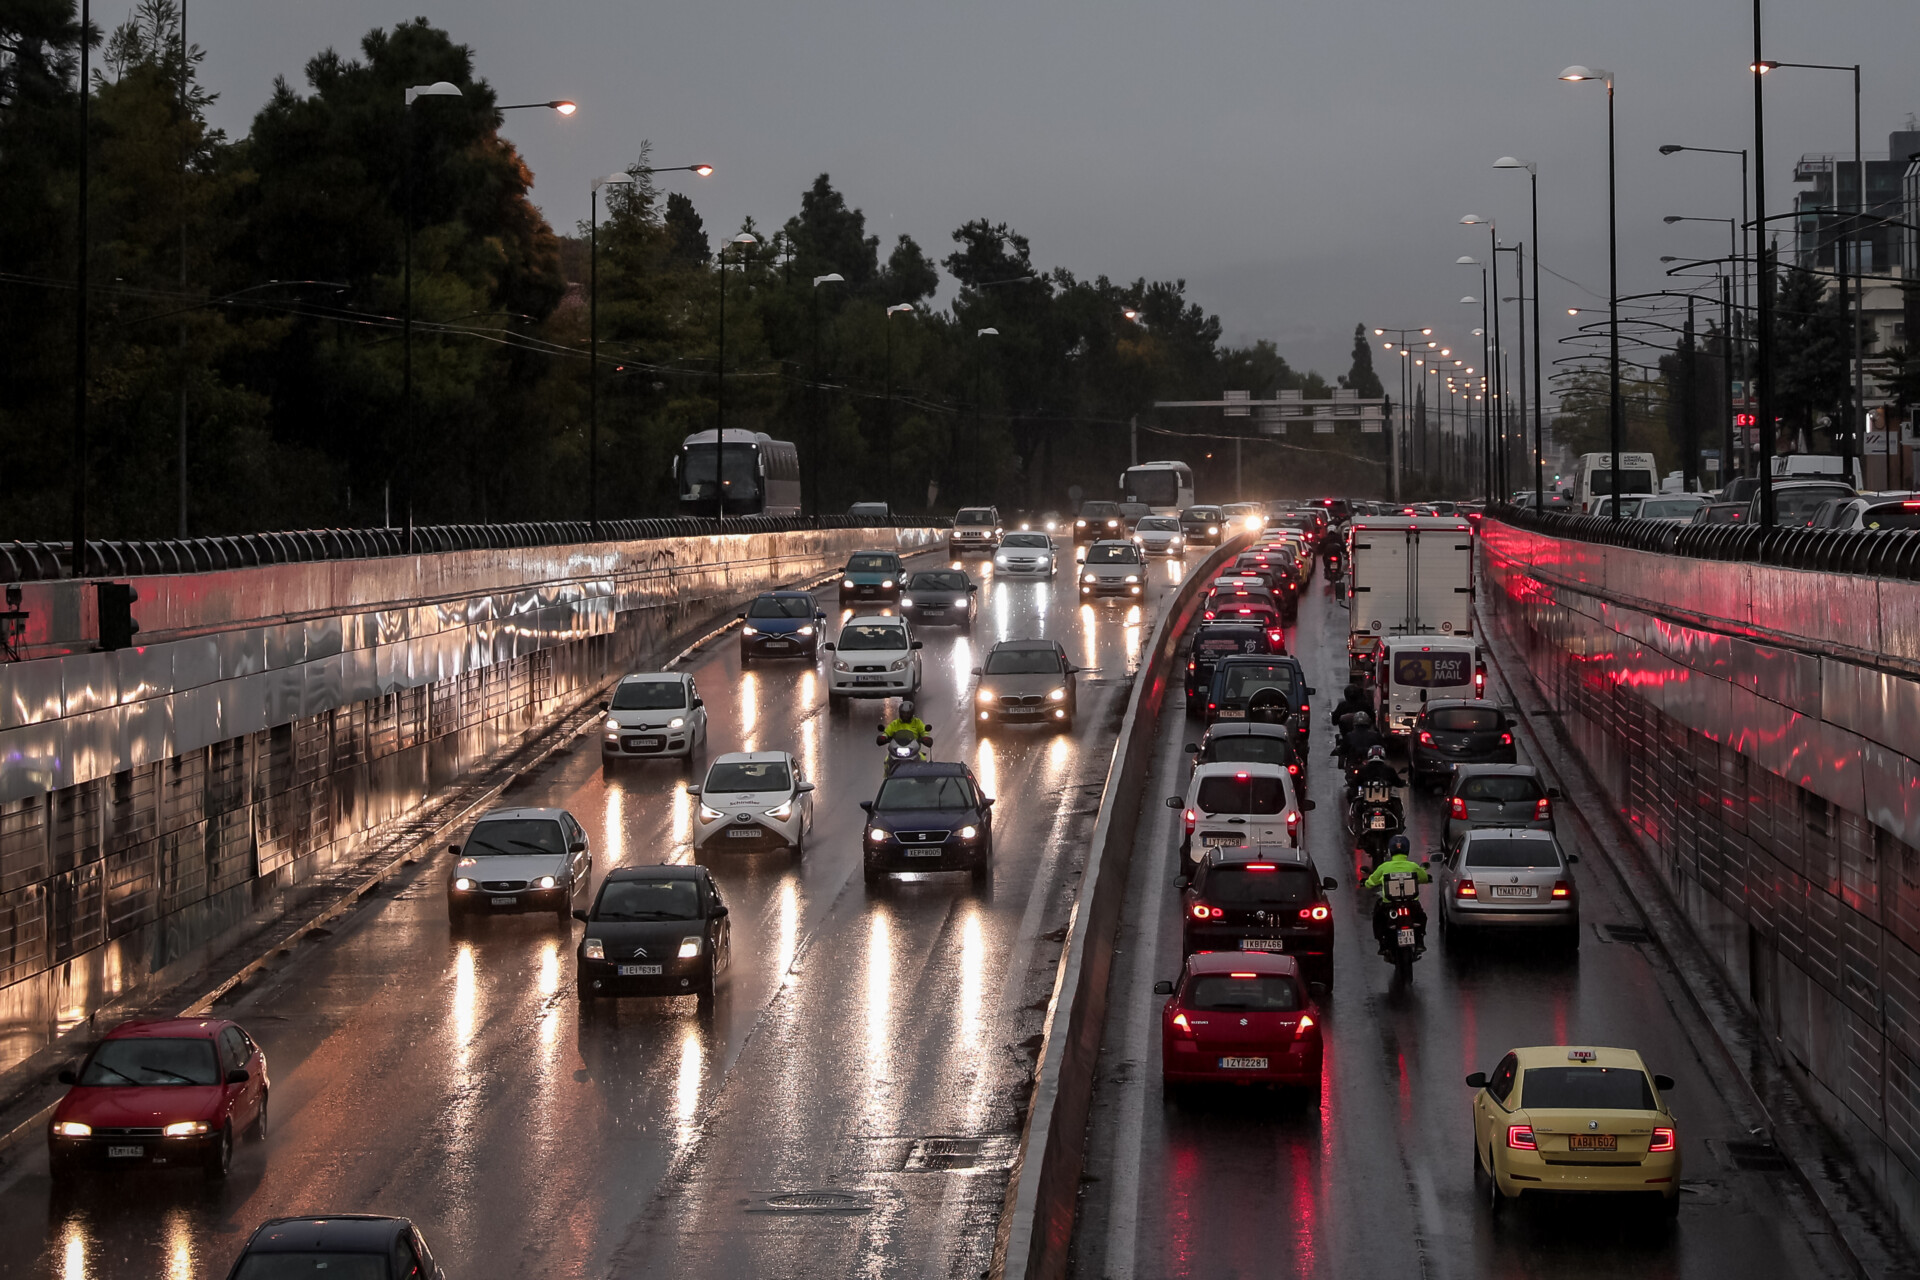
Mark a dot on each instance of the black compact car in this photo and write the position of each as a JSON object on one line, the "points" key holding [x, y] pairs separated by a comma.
{"points": [[1238, 683], [1214, 641], [1260, 898], [939, 596], [1455, 731], [1099, 520], [1203, 524], [654, 931], [1248, 741], [928, 817], [357, 1246]]}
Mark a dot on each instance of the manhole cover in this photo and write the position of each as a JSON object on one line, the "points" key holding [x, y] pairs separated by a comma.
{"points": [[1625, 933], [1755, 1157], [814, 1202]]}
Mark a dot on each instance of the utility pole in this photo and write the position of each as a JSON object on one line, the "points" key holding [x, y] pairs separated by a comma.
{"points": [[78, 462]]}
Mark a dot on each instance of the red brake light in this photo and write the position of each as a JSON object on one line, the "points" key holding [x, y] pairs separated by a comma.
{"points": [[1306, 1025], [1192, 818], [1320, 913], [1241, 776], [1293, 818], [1458, 808], [1180, 1021], [1199, 911], [1243, 975], [1465, 889], [1506, 739], [1561, 889], [1294, 769], [1258, 866], [1426, 739], [1520, 1137], [1662, 1140], [1542, 809]]}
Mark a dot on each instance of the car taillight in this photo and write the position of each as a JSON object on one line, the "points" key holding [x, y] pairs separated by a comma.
{"points": [[1192, 818], [1294, 769], [1201, 911], [1275, 637], [1190, 666], [1457, 807], [1506, 739], [1542, 809], [1662, 1140], [1520, 1137], [1306, 1025], [1480, 683], [1180, 1021], [1293, 818], [1465, 889], [1208, 615], [1426, 739], [1314, 913], [1561, 889]]}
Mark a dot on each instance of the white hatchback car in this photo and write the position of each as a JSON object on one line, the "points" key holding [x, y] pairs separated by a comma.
{"points": [[753, 802], [1160, 535], [1238, 802], [1113, 568], [1024, 554], [654, 714], [876, 656]]}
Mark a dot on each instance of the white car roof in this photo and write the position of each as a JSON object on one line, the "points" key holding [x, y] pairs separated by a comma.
{"points": [[750, 757], [653, 677], [1229, 768]]}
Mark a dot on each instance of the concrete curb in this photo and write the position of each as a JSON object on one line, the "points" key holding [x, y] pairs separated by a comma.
{"points": [[1042, 1194]]}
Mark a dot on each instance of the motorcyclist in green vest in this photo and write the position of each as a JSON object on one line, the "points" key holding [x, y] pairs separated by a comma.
{"points": [[1399, 861], [907, 720]]}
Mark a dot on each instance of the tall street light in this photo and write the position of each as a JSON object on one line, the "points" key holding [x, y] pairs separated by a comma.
{"points": [[1394, 431], [887, 426], [1539, 385], [743, 240], [1763, 314], [1486, 405], [1496, 362], [593, 311], [819, 397], [1616, 417], [979, 359], [1745, 269]]}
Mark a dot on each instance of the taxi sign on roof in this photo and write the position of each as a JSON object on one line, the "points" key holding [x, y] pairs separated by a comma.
{"points": [[1580, 1055]]}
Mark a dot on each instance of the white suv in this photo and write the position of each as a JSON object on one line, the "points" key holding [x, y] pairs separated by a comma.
{"points": [[753, 802], [1113, 568], [876, 656], [1238, 802]]}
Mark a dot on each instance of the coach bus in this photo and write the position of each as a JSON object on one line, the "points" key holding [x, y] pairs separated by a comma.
{"points": [[1167, 487], [737, 473]]}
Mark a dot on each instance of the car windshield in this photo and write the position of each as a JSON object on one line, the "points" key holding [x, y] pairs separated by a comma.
{"points": [[973, 515], [1202, 513], [1794, 506], [1212, 642], [781, 607], [1244, 681], [1464, 719], [1026, 540], [1275, 886], [1158, 524], [1248, 748], [1669, 508], [1241, 794], [1501, 787], [312, 1266], [1113, 553], [515, 836], [1099, 510], [1513, 855], [1629, 508], [875, 563], [649, 695], [947, 792], [664, 899], [151, 1060], [1223, 993], [1585, 1089], [872, 635], [1023, 662], [938, 580], [730, 776]]}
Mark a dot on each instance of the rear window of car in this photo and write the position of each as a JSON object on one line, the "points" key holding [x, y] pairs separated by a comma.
{"points": [[1432, 669], [1040, 540], [506, 836], [1250, 749], [872, 635], [1585, 1089], [1277, 886], [926, 793], [1211, 643], [1022, 662], [780, 607], [1464, 719], [876, 563], [1793, 506], [1501, 787], [151, 1060], [731, 776], [649, 695], [1224, 993], [1251, 794], [1891, 515], [312, 1266], [663, 899], [1246, 680], [938, 580], [973, 515], [1512, 855]]}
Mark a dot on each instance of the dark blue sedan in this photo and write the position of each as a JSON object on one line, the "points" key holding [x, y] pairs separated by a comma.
{"points": [[928, 817], [781, 624]]}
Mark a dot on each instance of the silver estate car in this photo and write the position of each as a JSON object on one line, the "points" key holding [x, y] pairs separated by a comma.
{"points": [[1502, 878], [1026, 682]]}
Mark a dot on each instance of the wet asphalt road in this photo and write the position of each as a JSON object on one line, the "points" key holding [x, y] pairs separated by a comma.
{"points": [[1378, 1180], [849, 1108]]}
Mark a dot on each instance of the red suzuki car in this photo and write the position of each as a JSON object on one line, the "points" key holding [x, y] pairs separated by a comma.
{"points": [[1240, 1018], [161, 1094]]}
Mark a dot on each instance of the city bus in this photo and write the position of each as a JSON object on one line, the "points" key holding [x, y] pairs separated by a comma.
{"points": [[743, 473], [1167, 487]]}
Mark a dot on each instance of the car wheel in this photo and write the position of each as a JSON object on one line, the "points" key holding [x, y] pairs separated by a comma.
{"points": [[871, 875], [220, 1162], [981, 873], [703, 993], [798, 848], [836, 703], [563, 914], [1495, 1201], [746, 659], [257, 1131]]}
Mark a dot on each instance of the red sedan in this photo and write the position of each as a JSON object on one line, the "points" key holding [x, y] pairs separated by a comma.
{"points": [[1240, 1018], [161, 1093]]}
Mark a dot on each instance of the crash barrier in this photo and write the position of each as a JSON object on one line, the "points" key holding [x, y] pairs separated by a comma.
{"points": [[1043, 1194], [1888, 553], [1758, 728], [38, 561], [272, 722]]}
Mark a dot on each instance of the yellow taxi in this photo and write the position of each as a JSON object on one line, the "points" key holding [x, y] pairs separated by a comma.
{"points": [[1568, 1118]]}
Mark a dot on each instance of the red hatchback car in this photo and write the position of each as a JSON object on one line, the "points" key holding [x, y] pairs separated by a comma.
{"points": [[162, 1094], [1240, 1018]]}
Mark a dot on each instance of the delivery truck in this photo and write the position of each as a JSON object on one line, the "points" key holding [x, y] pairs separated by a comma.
{"points": [[1406, 576]]}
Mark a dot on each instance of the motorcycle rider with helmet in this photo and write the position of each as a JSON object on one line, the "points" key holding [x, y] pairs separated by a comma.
{"points": [[1399, 861], [906, 720]]}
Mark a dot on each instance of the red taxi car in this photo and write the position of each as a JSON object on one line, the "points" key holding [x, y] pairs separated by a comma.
{"points": [[1240, 1018]]}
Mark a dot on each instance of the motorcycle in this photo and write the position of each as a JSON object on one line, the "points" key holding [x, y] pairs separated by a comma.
{"points": [[1374, 817], [1403, 924], [904, 747]]}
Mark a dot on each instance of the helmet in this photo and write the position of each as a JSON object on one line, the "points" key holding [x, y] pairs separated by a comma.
{"points": [[906, 708], [1361, 720], [1376, 753], [1399, 847]]}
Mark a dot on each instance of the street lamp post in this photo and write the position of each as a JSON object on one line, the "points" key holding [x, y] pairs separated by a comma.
{"points": [[1745, 283], [1394, 430], [1616, 420], [819, 396], [1763, 314], [887, 426], [720, 381], [1496, 356], [1539, 384]]}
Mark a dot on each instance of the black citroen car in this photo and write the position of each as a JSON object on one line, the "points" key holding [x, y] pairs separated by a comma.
{"points": [[928, 817], [1261, 898], [654, 931], [358, 1246]]}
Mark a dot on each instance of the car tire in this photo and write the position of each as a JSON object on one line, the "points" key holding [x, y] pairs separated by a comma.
{"points": [[257, 1131], [1495, 1201], [871, 875], [220, 1163], [836, 703], [563, 914], [981, 873], [746, 659], [703, 992]]}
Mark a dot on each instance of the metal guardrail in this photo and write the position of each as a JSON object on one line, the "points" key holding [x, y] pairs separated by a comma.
{"points": [[45, 561], [1887, 553]]}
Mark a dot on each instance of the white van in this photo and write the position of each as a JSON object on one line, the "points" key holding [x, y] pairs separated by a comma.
{"points": [[1414, 669], [1593, 478], [1816, 466], [1236, 802]]}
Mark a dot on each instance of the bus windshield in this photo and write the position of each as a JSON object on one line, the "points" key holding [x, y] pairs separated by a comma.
{"points": [[741, 476], [1154, 486]]}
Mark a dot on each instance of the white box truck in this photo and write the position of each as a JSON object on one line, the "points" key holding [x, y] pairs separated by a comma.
{"points": [[1406, 576]]}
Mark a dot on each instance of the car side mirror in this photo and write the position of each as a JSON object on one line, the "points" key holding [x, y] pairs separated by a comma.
{"points": [[1163, 988], [1663, 1083], [1553, 793], [804, 787], [1318, 989], [1573, 857], [1174, 802], [237, 1076], [454, 849], [1329, 883], [578, 846], [693, 791], [829, 646], [1181, 882], [1478, 1080], [741, 616], [606, 706], [867, 805], [68, 1076], [1311, 691], [976, 671], [699, 702], [819, 615], [1193, 748], [973, 586], [580, 914], [914, 645], [1306, 805], [720, 912], [987, 801], [1423, 697]]}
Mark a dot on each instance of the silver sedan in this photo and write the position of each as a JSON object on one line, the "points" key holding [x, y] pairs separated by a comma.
{"points": [[1508, 879]]}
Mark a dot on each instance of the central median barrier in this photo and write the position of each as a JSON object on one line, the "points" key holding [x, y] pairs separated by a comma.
{"points": [[1036, 1226]]}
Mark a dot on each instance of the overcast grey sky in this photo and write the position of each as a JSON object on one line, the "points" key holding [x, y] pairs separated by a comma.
{"points": [[1302, 165]]}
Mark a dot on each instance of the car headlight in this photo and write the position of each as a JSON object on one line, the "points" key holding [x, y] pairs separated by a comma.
{"points": [[1086, 577], [898, 664], [1253, 522], [841, 664], [72, 1129], [594, 949], [544, 882], [1113, 524], [1133, 577], [689, 948], [1213, 528], [749, 630], [463, 884], [678, 722], [613, 725], [185, 1128], [906, 602], [1058, 695], [804, 631], [878, 835], [781, 812], [1079, 524], [887, 583], [985, 695], [708, 814], [968, 833], [846, 582]]}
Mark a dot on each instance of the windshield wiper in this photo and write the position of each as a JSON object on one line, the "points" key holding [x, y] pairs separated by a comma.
{"points": [[162, 1071], [101, 1066]]}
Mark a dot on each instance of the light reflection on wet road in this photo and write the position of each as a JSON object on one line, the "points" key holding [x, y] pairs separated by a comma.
{"points": [[454, 1081]]}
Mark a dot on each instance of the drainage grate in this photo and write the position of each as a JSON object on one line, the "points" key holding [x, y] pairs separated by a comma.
{"points": [[1631, 933], [954, 1155], [814, 1202], [1756, 1157]]}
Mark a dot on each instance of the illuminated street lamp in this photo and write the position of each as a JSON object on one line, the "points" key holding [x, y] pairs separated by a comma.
{"points": [[1616, 420]]}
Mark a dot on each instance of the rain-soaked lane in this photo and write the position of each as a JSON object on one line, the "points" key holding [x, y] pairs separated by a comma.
{"points": [[1378, 1180], [453, 1081]]}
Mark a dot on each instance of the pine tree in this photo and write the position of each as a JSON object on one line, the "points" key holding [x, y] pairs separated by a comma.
{"points": [[1361, 376]]}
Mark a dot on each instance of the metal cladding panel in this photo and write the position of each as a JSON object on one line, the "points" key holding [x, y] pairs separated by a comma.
{"points": [[323, 686], [286, 645], [1892, 786], [393, 667], [324, 637], [196, 662], [93, 744], [196, 717], [33, 760], [1786, 676], [1879, 705], [391, 626], [1899, 634], [285, 692], [33, 693], [143, 672], [359, 675], [88, 681], [243, 652], [146, 732]]}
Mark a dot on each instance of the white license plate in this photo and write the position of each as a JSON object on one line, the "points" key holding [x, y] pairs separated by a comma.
{"points": [[1023, 711], [1513, 891], [1262, 944], [648, 744], [778, 644], [1406, 937], [1243, 1064], [1233, 715], [1211, 842], [933, 608], [923, 853], [743, 833], [869, 679], [503, 902], [639, 970], [119, 1153], [1376, 823]]}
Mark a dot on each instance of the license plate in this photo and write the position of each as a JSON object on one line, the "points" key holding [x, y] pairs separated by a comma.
{"points": [[648, 744], [1233, 715], [1513, 891], [1211, 842], [933, 608], [1243, 1064], [742, 833], [503, 902], [1023, 711], [778, 644], [923, 853], [639, 970], [1593, 1142], [1376, 823], [869, 679], [1262, 944], [120, 1153], [1406, 936]]}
